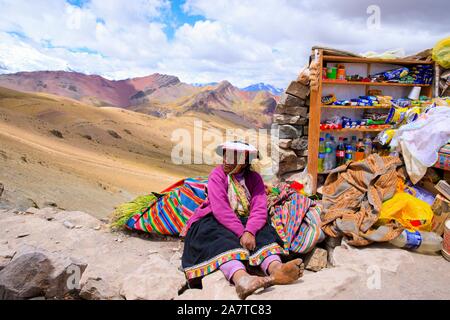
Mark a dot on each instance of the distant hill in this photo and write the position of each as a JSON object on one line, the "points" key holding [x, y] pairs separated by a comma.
{"points": [[204, 84], [263, 87], [82, 87], [157, 94]]}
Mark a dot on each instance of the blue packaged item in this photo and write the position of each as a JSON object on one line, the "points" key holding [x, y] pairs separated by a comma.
{"points": [[396, 73], [370, 98]]}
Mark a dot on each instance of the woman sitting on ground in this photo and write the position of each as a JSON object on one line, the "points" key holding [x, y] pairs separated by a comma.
{"points": [[231, 228]]}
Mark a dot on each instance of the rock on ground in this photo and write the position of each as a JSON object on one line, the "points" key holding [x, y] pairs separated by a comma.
{"points": [[33, 272], [99, 289], [316, 260], [91, 242], [155, 279]]}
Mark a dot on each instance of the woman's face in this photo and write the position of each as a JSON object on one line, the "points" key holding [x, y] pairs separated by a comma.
{"points": [[233, 158]]}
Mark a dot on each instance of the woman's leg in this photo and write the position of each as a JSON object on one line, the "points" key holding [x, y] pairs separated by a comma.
{"points": [[230, 268], [283, 273], [245, 284], [270, 263]]}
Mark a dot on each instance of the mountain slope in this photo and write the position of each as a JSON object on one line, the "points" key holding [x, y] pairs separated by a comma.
{"points": [[89, 88], [158, 95], [89, 158]]}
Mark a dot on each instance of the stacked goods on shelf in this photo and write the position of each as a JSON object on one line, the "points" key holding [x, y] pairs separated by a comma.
{"points": [[361, 101], [402, 110], [339, 123], [418, 74], [333, 155], [407, 111], [421, 74], [370, 119]]}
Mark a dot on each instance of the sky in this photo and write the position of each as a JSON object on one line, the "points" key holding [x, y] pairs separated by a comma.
{"points": [[201, 41]]}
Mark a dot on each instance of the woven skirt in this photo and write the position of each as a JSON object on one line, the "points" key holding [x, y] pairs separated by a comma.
{"points": [[208, 245]]}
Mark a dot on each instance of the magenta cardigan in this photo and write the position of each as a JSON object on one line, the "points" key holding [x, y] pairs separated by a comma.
{"points": [[217, 203]]}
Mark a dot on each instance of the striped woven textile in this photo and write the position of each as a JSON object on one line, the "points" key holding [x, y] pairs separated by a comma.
{"points": [[296, 219], [443, 161], [445, 149], [168, 211]]}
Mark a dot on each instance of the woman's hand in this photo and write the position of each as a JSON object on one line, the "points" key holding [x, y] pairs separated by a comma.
{"points": [[248, 241]]}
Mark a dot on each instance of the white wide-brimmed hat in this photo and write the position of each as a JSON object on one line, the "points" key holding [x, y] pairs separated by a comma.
{"points": [[237, 146]]}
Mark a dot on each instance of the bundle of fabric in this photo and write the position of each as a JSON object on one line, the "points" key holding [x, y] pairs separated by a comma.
{"points": [[420, 141], [164, 213], [296, 219], [352, 199]]}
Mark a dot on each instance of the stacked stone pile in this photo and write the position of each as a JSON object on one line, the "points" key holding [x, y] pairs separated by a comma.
{"points": [[291, 117]]}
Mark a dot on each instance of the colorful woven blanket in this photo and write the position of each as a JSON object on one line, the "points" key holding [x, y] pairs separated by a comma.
{"points": [[163, 213], [296, 219]]}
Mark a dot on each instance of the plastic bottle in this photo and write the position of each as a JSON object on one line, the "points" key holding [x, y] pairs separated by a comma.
{"points": [[321, 155], [329, 153], [340, 152], [333, 153], [354, 141], [359, 153], [325, 162], [367, 146], [345, 143], [419, 241], [349, 154]]}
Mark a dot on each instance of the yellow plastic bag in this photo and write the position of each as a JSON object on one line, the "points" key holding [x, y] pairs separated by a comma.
{"points": [[441, 53], [413, 214]]}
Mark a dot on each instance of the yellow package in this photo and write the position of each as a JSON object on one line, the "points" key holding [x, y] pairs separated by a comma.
{"points": [[413, 214], [396, 115], [386, 136], [441, 53], [412, 114]]}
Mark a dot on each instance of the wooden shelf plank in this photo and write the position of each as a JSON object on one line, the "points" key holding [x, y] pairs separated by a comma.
{"points": [[353, 107], [373, 84], [355, 130], [372, 60]]}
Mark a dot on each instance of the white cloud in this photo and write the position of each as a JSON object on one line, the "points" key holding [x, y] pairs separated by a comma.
{"points": [[16, 55], [242, 41]]}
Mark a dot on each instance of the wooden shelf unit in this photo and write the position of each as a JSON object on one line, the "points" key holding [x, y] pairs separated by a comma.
{"points": [[316, 106]]}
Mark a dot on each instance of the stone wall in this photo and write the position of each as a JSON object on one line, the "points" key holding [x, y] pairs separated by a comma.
{"points": [[292, 116]]}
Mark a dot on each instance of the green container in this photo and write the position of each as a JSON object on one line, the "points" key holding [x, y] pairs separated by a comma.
{"points": [[331, 72]]}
